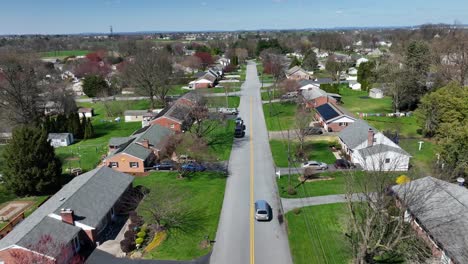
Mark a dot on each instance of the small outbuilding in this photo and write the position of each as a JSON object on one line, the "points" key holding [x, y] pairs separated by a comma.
{"points": [[60, 139], [355, 85], [86, 112], [376, 93]]}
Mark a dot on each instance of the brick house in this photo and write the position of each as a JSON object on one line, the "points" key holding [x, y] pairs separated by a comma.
{"points": [[332, 118], [437, 211], [174, 117], [139, 151], [297, 73], [71, 217], [316, 97]]}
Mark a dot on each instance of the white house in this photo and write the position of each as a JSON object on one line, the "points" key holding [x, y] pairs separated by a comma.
{"points": [[352, 71], [376, 93], [361, 60], [355, 85], [60, 139], [86, 112], [310, 86], [371, 149]]}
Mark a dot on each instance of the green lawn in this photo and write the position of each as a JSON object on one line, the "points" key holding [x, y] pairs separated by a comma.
{"points": [[317, 188], [235, 88], [406, 126], [87, 153], [359, 101], [317, 235], [64, 53], [316, 150], [220, 140], [422, 160], [206, 192], [282, 115], [266, 97], [177, 90], [233, 101]]}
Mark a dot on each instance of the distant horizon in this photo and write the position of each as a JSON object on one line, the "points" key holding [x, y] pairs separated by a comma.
{"points": [[231, 31]]}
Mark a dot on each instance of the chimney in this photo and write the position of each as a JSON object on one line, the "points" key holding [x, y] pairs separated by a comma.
{"points": [[67, 216], [370, 137], [145, 143]]}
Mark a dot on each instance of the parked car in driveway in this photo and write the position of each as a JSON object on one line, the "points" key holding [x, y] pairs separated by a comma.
{"points": [[263, 211], [164, 165], [315, 164], [344, 164], [228, 111], [193, 166]]}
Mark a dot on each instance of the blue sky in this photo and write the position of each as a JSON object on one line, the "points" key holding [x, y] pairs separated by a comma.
{"points": [[66, 16]]}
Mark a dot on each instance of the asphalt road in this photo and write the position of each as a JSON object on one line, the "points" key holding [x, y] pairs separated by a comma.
{"points": [[241, 239]]}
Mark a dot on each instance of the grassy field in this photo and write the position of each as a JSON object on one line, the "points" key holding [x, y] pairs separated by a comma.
{"points": [[316, 150], [87, 153], [221, 139], [317, 188], [177, 90], [359, 101], [316, 235], [266, 97], [422, 160], [206, 192], [406, 126], [220, 89], [282, 115], [64, 53], [220, 101]]}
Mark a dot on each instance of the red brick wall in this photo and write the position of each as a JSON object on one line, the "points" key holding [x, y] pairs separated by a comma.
{"points": [[124, 163], [166, 122], [323, 100], [335, 127], [202, 85]]}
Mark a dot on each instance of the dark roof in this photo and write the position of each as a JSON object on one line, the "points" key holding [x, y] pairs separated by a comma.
{"points": [[101, 257], [356, 133], [58, 135], [176, 111], [323, 80], [141, 130], [192, 96], [441, 208], [80, 194], [327, 111], [117, 141], [199, 74], [156, 135]]}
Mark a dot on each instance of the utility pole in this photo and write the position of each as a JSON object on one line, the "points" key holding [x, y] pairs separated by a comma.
{"points": [[289, 160]]}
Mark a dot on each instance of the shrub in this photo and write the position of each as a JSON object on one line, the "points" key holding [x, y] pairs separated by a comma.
{"points": [[130, 234], [141, 234], [144, 228], [139, 241], [292, 190], [127, 245], [134, 227]]}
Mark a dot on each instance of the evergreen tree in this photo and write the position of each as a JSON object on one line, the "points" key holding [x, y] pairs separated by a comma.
{"points": [[310, 62], [295, 62], [95, 85], [74, 125], [366, 75], [60, 124], [88, 130], [31, 167]]}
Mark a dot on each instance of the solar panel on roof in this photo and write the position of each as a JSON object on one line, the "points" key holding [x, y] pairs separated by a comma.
{"points": [[327, 112]]}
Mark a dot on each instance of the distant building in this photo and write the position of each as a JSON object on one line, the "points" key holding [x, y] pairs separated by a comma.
{"points": [[376, 93], [86, 112], [60, 139]]}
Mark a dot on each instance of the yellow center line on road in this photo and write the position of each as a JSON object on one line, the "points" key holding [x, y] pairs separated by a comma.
{"points": [[252, 210]]}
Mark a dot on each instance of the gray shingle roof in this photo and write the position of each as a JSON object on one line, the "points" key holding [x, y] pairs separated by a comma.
{"points": [[156, 135], [101, 184], [58, 135], [137, 151], [313, 93], [441, 208], [356, 133], [380, 148], [117, 141], [294, 70]]}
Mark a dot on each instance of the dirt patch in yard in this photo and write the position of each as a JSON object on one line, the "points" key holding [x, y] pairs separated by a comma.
{"points": [[302, 179]]}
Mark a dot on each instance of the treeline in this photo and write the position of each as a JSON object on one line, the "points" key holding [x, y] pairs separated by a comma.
{"points": [[81, 128]]}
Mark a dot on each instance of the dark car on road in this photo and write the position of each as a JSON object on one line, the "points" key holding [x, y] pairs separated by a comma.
{"points": [[239, 131], [164, 165], [193, 166], [343, 164]]}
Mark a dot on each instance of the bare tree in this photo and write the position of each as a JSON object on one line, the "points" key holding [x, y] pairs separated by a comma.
{"points": [[378, 225], [204, 122], [20, 87], [302, 121], [150, 73]]}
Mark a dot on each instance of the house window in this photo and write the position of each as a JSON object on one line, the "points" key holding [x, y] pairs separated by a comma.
{"points": [[387, 160], [114, 164], [133, 164], [76, 244], [374, 139], [343, 124], [172, 126], [62, 140]]}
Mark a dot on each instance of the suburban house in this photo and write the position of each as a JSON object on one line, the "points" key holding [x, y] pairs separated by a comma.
{"points": [[139, 115], [190, 99], [355, 85], [60, 139], [85, 112], [376, 93], [438, 212], [297, 73], [139, 151], [174, 117], [75, 217], [201, 83], [316, 97], [361, 60], [371, 149], [332, 118]]}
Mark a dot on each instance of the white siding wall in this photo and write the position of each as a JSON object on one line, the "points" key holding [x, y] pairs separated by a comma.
{"points": [[138, 118]]}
